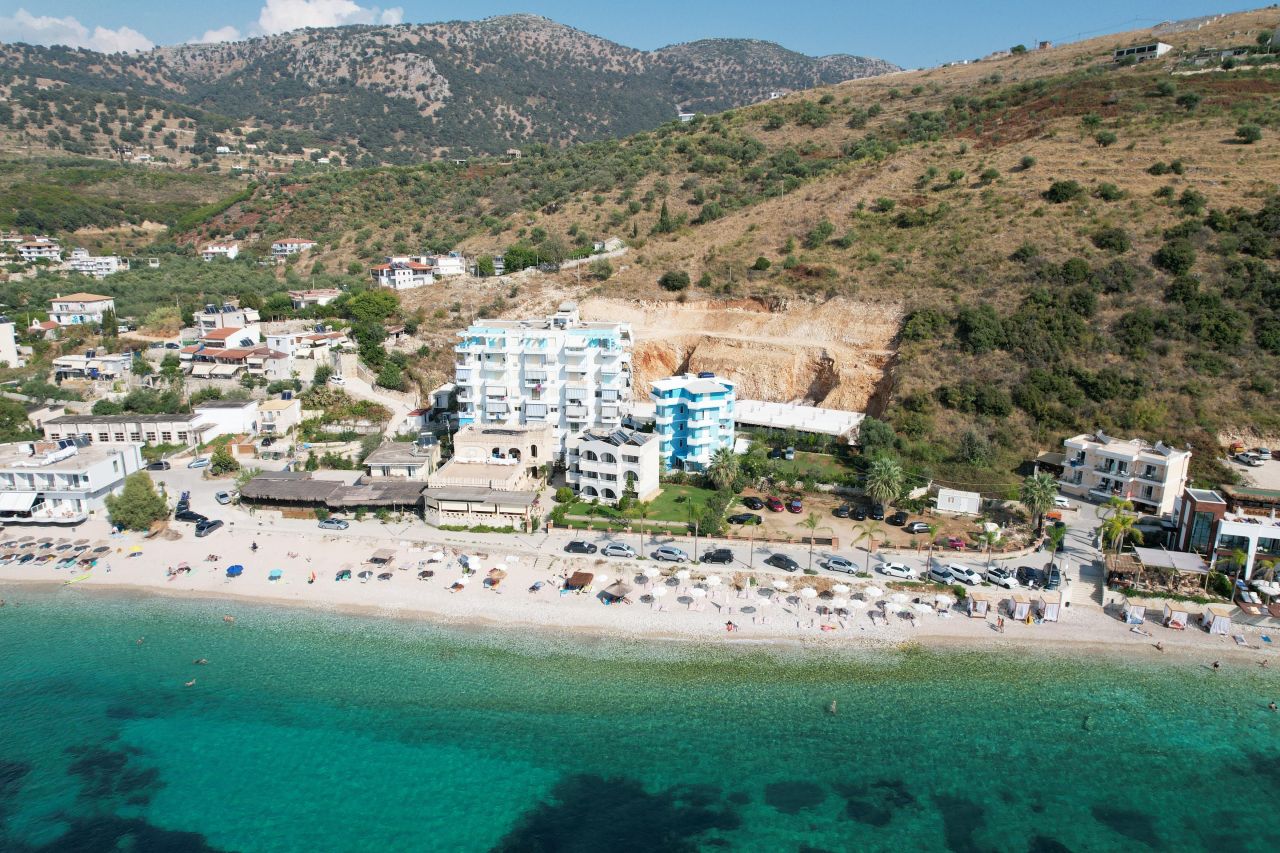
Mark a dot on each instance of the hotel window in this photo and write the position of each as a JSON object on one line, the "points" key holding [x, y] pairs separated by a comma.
{"points": [[151, 436], [119, 436], [134, 436], [166, 436], [182, 436], [104, 437]]}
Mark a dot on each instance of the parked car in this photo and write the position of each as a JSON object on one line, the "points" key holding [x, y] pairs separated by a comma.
{"points": [[670, 554], [964, 574], [842, 511], [1262, 453], [1002, 577], [577, 546], [898, 519], [917, 527], [782, 561], [745, 518], [172, 345], [941, 574], [209, 525], [717, 555], [789, 454], [618, 549], [1052, 578], [1027, 576], [199, 462], [1250, 459], [753, 502], [1060, 502], [223, 498], [337, 380], [334, 524], [877, 512], [841, 564], [795, 505], [859, 513], [267, 441], [775, 453], [773, 504], [896, 570], [159, 465], [956, 543], [187, 515]]}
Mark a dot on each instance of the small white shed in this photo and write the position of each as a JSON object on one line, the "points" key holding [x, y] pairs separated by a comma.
{"points": [[1216, 619], [1175, 615], [1049, 606], [1134, 614], [958, 502]]}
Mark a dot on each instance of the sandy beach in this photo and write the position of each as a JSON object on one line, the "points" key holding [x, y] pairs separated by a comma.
{"points": [[684, 609]]}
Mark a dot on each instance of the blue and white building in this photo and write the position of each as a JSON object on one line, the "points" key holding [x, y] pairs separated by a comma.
{"points": [[561, 371], [693, 417]]}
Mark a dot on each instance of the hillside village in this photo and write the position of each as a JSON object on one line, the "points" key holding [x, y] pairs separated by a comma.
{"points": [[935, 309]]}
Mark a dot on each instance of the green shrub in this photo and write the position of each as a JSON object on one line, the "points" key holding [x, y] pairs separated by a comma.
{"points": [[1112, 240], [674, 280], [564, 495], [1248, 133], [1060, 192], [762, 263]]}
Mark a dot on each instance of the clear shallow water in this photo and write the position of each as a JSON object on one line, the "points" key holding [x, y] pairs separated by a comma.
{"points": [[315, 731]]}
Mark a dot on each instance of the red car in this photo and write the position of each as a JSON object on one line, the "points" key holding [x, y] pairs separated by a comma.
{"points": [[794, 505], [956, 543], [773, 504]]}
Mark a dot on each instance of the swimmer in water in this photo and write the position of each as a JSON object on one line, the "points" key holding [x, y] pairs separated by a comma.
{"points": [[200, 661], [831, 709], [191, 683], [140, 639], [1271, 706]]}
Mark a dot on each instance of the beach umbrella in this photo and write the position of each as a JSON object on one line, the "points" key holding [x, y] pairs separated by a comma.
{"points": [[713, 580], [136, 549], [921, 607], [275, 575], [511, 558], [840, 589], [235, 571], [464, 580], [424, 574], [698, 592], [25, 538], [683, 575], [659, 591], [839, 603], [809, 593], [873, 592], [763, 602], [601, 579], [436, 557], [82, 542], [899, 598], [856, 603], [365, 575], [944, 601], [780, 584]]}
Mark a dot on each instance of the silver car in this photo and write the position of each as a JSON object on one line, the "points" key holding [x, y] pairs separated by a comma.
{"points": [[618, 549], [841, 564], [964, 574], [670, 554]]}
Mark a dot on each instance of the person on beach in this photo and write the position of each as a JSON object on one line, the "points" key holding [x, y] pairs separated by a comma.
{"points": [[1216, 666], [1000, 624], [1159, 646], [254, 547], [1263, 663], [140, 640], [729, 626]]}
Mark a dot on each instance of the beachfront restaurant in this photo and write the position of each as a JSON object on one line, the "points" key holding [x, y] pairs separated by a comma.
{"points": [[299, 494]]}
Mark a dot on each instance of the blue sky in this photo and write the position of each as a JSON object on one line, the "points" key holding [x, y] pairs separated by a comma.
{"points": [[912, 33]]}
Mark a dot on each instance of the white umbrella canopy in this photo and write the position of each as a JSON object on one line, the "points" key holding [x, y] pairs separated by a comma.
{"points": [[464, 580], [873, 591], [856, 603], [698, 592], [921, 607], [809, 592], [840, 589], [763, 602], [944, 601], [713, 580], [899, 598], [781, 584], [601, 579], [683, 574], [511, 558], [650, 571], [658, 591], [839, 602]]}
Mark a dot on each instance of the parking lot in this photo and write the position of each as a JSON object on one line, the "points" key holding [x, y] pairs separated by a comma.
{"points": [[1266, 476]]}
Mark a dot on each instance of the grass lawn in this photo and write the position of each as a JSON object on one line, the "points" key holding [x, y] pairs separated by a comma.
{"points": [[824, 467], [674, 502]]}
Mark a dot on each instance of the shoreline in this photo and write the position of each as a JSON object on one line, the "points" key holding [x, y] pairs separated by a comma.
{"points": [[1069, 646]]}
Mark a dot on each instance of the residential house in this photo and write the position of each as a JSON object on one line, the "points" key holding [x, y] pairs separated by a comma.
{"points": [[503, 458], [606, 464], [228, 316], [403, 273], [290, 246], [230, 336], [93, 365], [226, 251], [9, 344], [1100, 467], [559, 371], [77, 309], [1142, 52], [278, 417], [46, 329], [180, 429], [61, 482], [96, 266], [310, 298], [228, 417], [222, 150], [38, 414], [404, 460], [693, 418], [38, 249], [447, 266]]}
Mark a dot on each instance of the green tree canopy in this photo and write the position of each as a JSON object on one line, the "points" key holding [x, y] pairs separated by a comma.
{"points": [[138, 505]]}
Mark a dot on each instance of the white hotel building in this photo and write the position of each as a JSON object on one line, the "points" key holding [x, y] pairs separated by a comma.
{"points": [[1100, 467], [61, 482], [558, 371]]}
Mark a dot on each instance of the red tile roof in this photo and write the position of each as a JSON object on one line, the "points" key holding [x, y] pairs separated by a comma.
{"points": [[221, 334], [81, 297]]}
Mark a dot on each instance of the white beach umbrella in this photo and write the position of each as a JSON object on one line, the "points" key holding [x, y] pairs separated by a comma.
{"points": [[683, 575], [856, 603], [873, 591], [839, 603], [840, 589], [502, 567], [809, 592], [713, 580], [899, 598], [698, 592], [511, 558], [781, 584], [659, 591], [600, 579], [921, 607], [464, 580], [763, 602], [650, 571], [944, 601]]}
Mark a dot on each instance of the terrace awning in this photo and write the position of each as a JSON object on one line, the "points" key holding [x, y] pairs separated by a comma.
{"points": [[17, 501], [201, 369], [225, 369]]}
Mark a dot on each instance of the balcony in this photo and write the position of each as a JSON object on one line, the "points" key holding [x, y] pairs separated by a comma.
{"points": [[1157, 476], [701, 440], [577, 412]]}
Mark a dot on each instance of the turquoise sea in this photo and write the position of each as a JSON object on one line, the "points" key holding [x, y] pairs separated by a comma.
{"points": [[319, 732]]}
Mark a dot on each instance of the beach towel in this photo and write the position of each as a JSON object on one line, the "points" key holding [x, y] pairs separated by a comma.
{"points": [[1239, 638]]}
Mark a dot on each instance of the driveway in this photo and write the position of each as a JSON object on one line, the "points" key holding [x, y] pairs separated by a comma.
{"points": [[358, 388]]}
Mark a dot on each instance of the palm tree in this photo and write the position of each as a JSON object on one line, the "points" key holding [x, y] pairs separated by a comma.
{"points": [[1119, 527], [640, 510], [723, 469], [811, 524], [988, 538], [933, 535], [1036, 494], [885, 479], [870, 531], [1054, 537], [1115, 504]]}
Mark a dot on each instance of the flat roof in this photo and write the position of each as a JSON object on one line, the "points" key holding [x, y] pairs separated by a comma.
{"points": [[480, 496], [1181, 561], [14, 458], [396, 453], [82, 297], [619, 437], [1206, 496], [278, 405], [1251, 493], [794, 416], [477, 471], [225, 404], [65, 420]]}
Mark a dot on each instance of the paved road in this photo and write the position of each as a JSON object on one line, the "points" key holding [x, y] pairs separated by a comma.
{"points": [[1082, 571]]}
